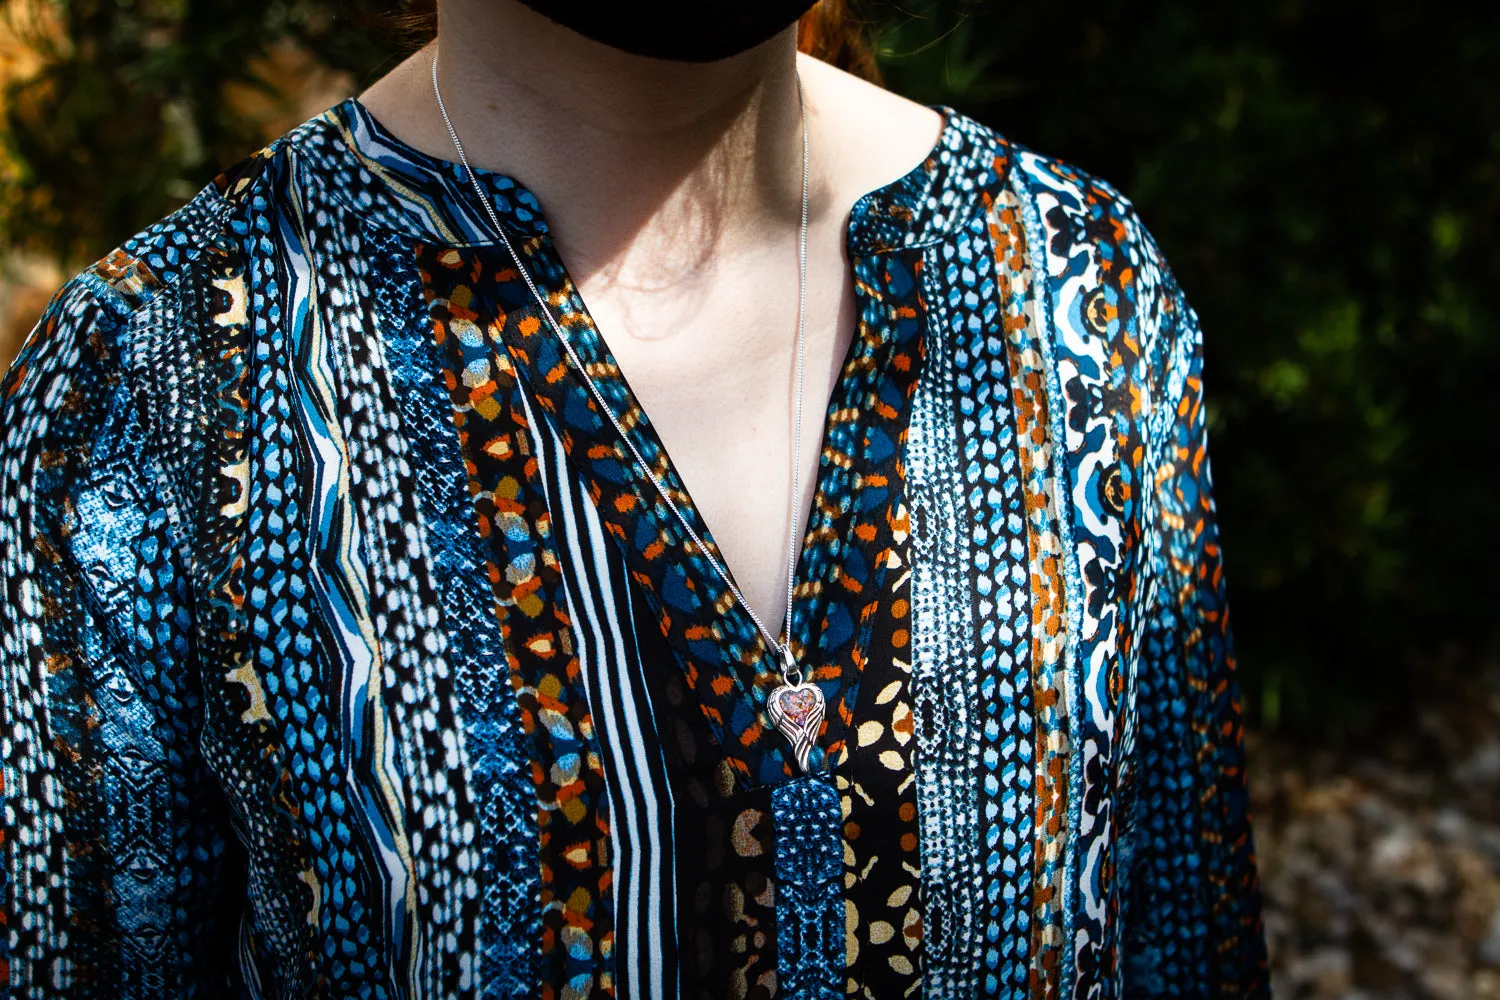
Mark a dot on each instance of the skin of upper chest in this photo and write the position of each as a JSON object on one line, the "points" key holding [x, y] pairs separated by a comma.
{"points": [[713, 360]]}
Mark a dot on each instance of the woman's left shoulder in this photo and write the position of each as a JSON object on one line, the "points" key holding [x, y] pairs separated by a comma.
{"points": [[1088, 228], [1097, 276], [1063, 265]]}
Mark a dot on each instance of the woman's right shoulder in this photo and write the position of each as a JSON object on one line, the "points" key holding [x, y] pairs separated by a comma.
{"points": [[173, 277], [116, 311], [134, 375]]}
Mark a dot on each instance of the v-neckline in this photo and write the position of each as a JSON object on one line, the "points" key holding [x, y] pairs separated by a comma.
{"points": [[729, 665], [903, 213], [593, 350]]}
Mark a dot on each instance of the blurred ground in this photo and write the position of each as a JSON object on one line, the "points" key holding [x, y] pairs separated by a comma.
{"points": [[1381, 865]]}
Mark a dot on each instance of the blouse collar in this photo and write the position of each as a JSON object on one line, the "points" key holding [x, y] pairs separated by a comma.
{"points": [[435, 202]]}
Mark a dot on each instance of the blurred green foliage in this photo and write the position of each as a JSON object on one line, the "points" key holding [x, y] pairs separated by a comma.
{"points": [[1323, 175], [127, 120]]}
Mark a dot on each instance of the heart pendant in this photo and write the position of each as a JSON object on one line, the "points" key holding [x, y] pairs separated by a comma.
{"points": [[797, 710]]}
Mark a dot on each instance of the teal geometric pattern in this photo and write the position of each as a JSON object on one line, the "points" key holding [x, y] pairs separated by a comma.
{"points": [[809, 899]]}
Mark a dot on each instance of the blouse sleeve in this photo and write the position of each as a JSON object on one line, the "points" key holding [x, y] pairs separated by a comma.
{"points": [[1192, 921], [113, 846]]}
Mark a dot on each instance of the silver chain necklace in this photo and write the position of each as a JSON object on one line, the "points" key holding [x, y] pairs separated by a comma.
{"points": [[796, 705]]}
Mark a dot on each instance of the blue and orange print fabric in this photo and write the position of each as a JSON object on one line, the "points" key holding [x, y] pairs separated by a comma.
{"points": [[348, 653]]}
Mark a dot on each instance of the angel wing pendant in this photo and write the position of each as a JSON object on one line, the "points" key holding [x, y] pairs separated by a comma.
{"points": [[797, 710]]}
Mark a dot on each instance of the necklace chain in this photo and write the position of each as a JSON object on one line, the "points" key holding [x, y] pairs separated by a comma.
{"points": [[791, 673]]}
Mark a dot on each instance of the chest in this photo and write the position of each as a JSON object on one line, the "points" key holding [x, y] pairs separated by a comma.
{"points": [[714, 368]]}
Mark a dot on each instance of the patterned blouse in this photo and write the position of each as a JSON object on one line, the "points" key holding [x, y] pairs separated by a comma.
{"points": [[347, 653]]}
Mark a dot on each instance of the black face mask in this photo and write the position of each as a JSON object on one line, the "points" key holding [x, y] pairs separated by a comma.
{"points": [[675, 29]]}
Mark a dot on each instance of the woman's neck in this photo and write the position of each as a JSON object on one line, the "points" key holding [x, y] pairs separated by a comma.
{"points": [[633, 159]]}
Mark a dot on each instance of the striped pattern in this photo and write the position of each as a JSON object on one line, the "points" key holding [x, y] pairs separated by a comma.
{"points": [[640, 800], [1035, 434], [505, 919]]}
